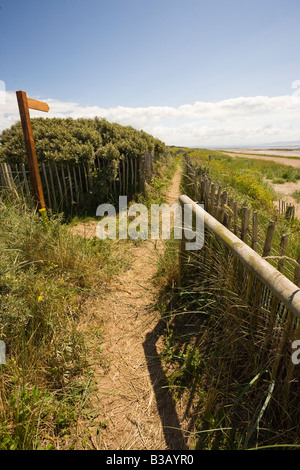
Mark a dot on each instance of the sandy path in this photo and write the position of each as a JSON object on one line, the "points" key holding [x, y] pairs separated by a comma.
{"points": [[130, 396], [285, 193], [284, 161], [292, 152]]}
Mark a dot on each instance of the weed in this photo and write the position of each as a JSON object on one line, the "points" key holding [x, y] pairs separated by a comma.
{"points": [[46, 274]]}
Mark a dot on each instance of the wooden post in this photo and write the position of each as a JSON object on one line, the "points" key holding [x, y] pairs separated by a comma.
{"points": [[250, 281], [266, 252], [10, 175], [90, 176], [297, 272], [245, 223], [135, 173], [211, 200], [132, 172], [254, 230], [59, 186], [235, 218], [282, 251], [223, 203], [86, 180], [269, 238], [18, 178], [76, 185], [219, 196], [25, 179], [7, 175], [47, 185], [71, 184], [182, 251], [202, 191], [124, 177], [80, 179], [275, 303], [64, 183], [24, 104]]}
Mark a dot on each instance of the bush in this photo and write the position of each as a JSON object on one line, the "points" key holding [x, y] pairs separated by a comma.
{"points": [[77, 141]]}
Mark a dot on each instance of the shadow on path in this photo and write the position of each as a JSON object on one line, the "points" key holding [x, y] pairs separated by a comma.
{"points": [[173, 434]]}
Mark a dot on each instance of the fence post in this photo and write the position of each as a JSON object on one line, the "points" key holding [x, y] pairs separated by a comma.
{"points": [[297, 272], [182, 262], [266, 252], [254, 230], [245, 223]]}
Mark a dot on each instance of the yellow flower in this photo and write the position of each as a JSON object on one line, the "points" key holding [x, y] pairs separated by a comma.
{"points": [[40, 298]]}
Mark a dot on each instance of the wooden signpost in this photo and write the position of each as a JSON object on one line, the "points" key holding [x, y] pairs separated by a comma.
{"points": [[24, 105]]}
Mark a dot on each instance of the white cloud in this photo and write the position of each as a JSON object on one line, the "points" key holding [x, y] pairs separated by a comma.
{"points": [[236, 121]]}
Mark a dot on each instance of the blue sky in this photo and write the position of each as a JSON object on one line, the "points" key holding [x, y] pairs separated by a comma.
{"points": [[152, 64]]}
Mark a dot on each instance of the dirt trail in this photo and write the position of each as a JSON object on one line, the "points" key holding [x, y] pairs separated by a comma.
{"points": [[282, 160], [284, 191], [139, 413]]}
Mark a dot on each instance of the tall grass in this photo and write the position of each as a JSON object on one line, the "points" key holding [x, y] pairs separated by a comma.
{"points": [[46, 274], [248, 188], [229, 364], [162, 173]]}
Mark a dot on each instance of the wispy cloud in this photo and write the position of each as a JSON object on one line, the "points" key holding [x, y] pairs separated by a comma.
{"points": [[236, 121]]}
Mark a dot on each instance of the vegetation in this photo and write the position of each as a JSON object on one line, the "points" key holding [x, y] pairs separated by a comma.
{"points": [[78, 141], [247, 178], [47, 274], [222, 371], [247, 182], [219, 365], [296, 195], [48, 278], [221, 354]]}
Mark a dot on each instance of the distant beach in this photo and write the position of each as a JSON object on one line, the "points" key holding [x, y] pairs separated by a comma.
{"points": [[284, 152]]}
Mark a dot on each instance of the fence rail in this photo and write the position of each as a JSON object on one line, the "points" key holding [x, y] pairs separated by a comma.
{"points": [[243, 223], [279, 285]]}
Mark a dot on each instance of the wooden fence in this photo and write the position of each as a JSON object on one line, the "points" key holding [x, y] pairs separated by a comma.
{"points": [[273, 300], [66, 185], [244, 224]]}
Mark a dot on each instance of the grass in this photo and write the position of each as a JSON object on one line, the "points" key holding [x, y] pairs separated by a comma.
{"points": [[245, 182], [231, 168], [46, 276], [222, 370], [221, 354], [263, 155], [163, 171], [296, 195], [49, 278]]}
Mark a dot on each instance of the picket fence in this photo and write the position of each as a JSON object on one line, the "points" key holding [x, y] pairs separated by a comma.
{"points": [[67, 186]]}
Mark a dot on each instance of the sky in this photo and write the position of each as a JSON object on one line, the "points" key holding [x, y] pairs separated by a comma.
{"points": [[201, 73]]}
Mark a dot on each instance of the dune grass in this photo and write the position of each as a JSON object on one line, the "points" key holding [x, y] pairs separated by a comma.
{"points": [[46, 274], [229, 366], [222, 358]]}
